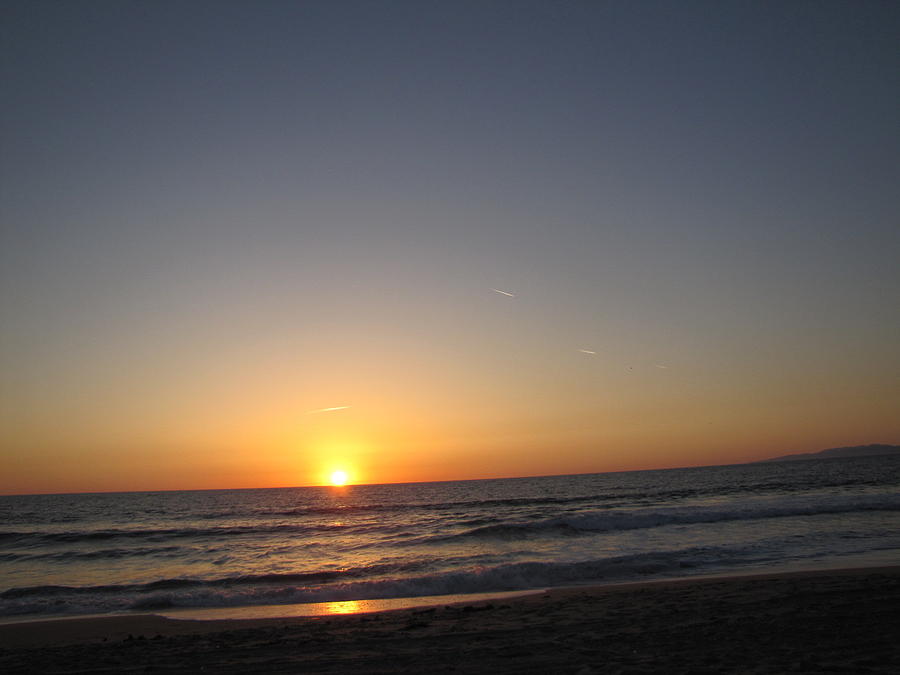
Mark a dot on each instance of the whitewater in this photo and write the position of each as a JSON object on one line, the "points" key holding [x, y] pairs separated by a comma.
{"points": [[64, 555]]}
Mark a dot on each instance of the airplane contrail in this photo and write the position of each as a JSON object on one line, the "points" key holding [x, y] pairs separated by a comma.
{"points": [[586, 351], [659, 365], [497, 290], [321, 410]]}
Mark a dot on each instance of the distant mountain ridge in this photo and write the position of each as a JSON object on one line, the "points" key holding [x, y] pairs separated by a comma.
{"points": [[849, 451]]}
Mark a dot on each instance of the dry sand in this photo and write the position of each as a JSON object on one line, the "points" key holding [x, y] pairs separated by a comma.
{"points": [[843, 621]]}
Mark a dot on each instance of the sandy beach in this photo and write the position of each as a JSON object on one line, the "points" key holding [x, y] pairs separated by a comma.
{"points": [[842, 621]]}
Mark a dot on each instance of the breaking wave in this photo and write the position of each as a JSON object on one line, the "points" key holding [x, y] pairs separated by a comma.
{"points": [[329, 586], [635, 519]]}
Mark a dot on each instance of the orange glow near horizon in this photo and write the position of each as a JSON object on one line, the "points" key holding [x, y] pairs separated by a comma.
{"points": [[413, 430], [416, 412]]}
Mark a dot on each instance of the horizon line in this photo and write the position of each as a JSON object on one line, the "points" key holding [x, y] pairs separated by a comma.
{"points": [[424, 482]]}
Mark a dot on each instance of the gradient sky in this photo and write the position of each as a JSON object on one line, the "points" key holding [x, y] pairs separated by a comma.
{"points": [[220, 218]]}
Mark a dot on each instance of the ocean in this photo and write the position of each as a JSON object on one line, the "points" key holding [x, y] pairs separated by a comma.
{"points": [[160, 552]]}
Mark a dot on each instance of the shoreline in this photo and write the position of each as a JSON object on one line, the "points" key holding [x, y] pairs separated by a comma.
{"points": [[311, 610], [842, 620]]}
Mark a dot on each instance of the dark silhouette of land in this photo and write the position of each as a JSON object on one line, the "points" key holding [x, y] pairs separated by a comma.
{"points": [[849, 451]]}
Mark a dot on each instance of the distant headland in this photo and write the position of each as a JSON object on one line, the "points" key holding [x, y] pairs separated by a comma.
{"points": [[850, 451]]}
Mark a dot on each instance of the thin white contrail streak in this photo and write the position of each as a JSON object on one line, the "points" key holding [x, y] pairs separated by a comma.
{"points": [[321, 410], [659, 365], [497, 290], [586, 351]]}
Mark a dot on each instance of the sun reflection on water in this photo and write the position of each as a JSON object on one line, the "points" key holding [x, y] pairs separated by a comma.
{"points": [[343, 607]]}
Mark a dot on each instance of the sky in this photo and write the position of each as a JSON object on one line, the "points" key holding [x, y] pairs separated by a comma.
{"points": [[245, 244]]}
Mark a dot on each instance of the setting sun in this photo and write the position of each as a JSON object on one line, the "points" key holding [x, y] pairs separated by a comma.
{"points": [[339, 478]]}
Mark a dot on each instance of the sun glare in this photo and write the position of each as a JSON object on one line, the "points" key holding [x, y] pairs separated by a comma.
{"points": [[338, 477]]}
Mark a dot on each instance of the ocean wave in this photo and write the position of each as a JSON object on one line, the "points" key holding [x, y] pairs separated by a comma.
{"points": [[611, 494], [485, 528], [108, 554], [160, 534], [287, 545], [312, 577], [608, 495], [357, 509], [608, 520], [339, 585]]}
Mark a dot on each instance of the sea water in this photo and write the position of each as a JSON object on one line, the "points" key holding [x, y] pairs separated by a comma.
{"points": [[157, 551]]}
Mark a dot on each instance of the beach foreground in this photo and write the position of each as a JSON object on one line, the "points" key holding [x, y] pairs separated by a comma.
{"points": [[841, 621]]}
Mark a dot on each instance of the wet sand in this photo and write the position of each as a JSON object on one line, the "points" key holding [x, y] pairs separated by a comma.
{"points": [[842, 621]]}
